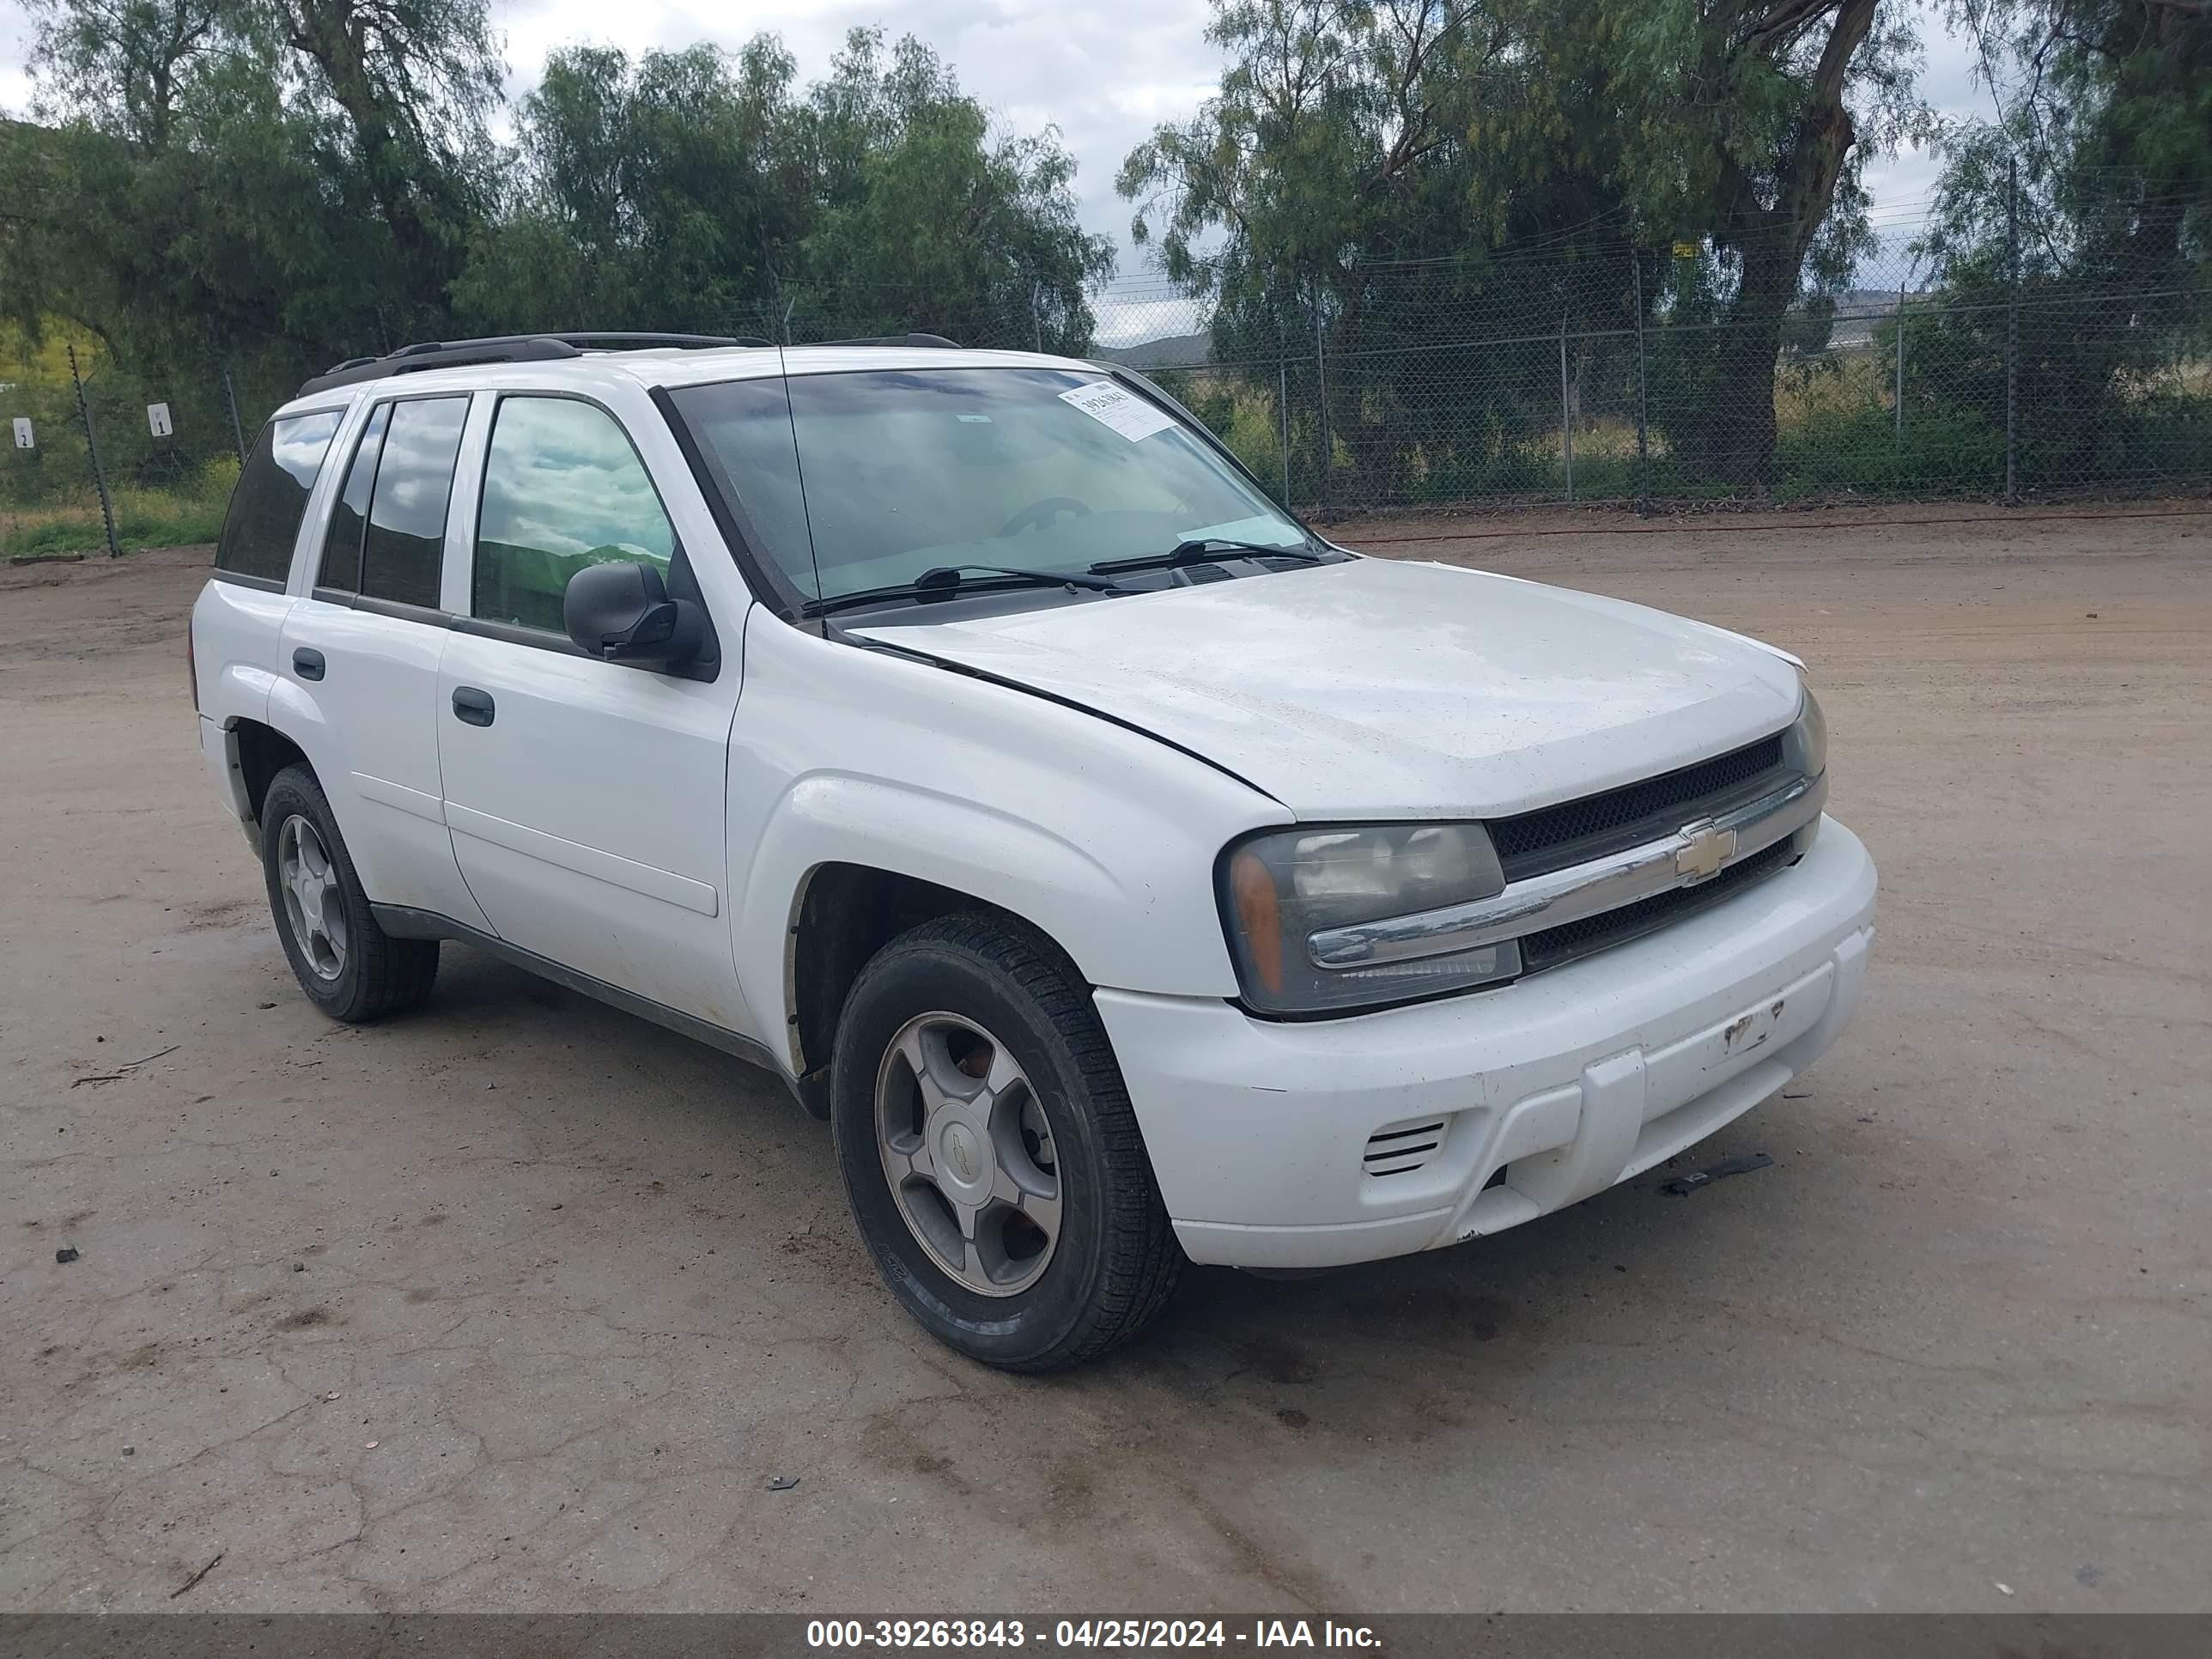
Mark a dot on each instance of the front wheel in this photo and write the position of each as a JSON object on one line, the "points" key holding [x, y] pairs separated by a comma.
{"points": [[989, 1151]]}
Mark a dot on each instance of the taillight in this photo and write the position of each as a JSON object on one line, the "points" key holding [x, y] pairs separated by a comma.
{"points": [[191, 665]]}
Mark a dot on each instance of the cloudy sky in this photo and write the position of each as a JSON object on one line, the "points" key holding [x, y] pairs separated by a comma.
{"points": [[1104, 76]]}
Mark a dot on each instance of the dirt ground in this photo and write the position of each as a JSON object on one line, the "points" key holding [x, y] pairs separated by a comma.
{"points": [[521, 1303]]}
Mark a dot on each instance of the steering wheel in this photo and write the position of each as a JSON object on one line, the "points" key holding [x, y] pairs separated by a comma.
{"points": [[1043, 514]]}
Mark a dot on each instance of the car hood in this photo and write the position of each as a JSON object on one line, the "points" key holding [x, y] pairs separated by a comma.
{"points": [[1380, 688]]}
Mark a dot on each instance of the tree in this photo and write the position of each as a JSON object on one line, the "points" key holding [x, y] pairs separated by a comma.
{"points": [[2110, 133], [300, 171], [691, 191], [660, 193], [1364, 170], [2091, 195], [123, 64], [415, 81], [1747, 123], [930, 220], [1402, 157]]}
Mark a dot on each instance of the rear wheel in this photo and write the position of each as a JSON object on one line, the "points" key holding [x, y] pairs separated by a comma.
{"points": [[989, 1151], [349, 966]]}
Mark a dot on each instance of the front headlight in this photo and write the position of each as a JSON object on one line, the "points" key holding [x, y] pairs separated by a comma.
{"points": [[1805, 744], [1279, 889]]}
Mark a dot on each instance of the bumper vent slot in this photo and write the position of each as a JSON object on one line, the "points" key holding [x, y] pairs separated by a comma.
{"points": [[1403, 1148]]}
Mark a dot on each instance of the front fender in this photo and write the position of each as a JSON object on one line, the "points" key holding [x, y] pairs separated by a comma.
{"points": [[1101, 837]]}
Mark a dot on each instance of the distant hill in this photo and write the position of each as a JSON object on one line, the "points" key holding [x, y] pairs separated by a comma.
{"points": [[1168, 351]]}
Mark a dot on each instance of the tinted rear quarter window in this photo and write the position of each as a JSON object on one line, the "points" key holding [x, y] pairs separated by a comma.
{"points": [[406, 540], [272, 496]]}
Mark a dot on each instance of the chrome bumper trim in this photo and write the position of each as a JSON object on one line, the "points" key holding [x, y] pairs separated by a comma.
{"points": [[1693, 854]]}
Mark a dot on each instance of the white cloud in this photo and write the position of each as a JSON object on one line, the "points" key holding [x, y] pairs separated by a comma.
{"points": [[14, 59]]}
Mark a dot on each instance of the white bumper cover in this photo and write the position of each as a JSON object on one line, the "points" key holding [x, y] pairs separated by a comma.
{"points": [[1570, 1081]]}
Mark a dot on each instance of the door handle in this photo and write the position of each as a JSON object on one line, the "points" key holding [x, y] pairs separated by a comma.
{"points": [[472, 706], [307, 663]]}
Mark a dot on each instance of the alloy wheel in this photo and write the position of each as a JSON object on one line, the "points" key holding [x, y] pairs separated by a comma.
{"points": [[314, 907], [969, 1154]]}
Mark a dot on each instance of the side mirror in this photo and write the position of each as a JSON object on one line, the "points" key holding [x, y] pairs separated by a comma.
{"points": [[624, 612]]}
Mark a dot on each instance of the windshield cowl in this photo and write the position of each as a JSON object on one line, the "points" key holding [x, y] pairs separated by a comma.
{"points": [[982, 596]]}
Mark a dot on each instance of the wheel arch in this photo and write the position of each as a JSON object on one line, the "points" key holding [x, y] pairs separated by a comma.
{"points": [[263, 751], [842, 914]]}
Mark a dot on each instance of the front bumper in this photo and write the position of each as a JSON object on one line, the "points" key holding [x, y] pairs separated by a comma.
{"points": [[1263, 1134]]}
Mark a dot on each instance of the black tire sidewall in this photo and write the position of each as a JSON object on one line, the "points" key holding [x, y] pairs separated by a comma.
{"points": [[295, 793], [931, 976]]}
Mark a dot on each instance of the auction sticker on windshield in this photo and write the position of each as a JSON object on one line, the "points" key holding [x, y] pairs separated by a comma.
{"points": [[1108, 403]]}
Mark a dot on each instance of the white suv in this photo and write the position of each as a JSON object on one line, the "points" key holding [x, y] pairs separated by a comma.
{"points": [[1127, 874]]}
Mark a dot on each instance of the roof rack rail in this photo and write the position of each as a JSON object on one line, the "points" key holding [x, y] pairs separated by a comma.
{"points": [[635, 341], [936, 341], [504, 349]]}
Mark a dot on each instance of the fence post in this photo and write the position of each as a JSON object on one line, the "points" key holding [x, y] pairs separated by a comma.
{"points": [[2011, 333], [1643, 439], [1900, 360], [1566, 415], [1321, 389], [230, 397], [1282, 412], [91, 449]]}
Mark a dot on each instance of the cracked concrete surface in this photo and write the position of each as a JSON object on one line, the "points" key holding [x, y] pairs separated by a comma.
{"points": [[520, 1302]]}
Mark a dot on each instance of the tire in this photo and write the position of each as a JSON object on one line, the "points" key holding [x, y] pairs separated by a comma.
{"points": [[349, 968], [998, 992]]}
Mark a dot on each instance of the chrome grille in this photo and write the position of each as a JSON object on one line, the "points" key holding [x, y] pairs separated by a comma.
{"points": [[1554, 837], [1571, 939]]}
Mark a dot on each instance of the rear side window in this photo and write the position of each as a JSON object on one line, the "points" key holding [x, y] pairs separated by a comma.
{"points": [[349, 518], [563, 489], [406, 538], [272, 496]]}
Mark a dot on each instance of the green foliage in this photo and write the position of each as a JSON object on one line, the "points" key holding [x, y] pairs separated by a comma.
{"points": [[283, 183], [1365, 170], [35, 376], [1833, 450], [302, 173], [186, 513], [2111, 135], [691, 191], [1368, 166], [2089, 204]]}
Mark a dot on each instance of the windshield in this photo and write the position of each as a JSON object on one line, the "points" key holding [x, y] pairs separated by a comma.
{"points": [[906, 470]]}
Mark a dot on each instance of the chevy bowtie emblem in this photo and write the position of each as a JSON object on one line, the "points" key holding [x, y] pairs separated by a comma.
{"points": [[1705, 846]]}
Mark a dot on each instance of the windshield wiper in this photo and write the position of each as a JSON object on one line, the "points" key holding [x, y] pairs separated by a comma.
{"points": [[949, 578], [1199, 550]]}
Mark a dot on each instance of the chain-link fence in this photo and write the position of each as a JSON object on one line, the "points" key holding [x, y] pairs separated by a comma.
{"points": [[1622, 373], [1621, 378], [1633, 373], [142, 457]]}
